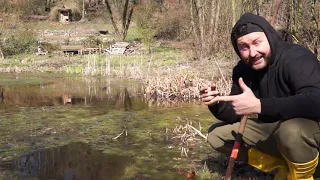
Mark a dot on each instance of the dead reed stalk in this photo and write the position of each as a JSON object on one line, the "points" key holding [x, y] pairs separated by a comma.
{"points": [[186, 133]]}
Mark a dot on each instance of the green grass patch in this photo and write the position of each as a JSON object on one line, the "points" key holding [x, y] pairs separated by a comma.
{"points": [[133, 35], [77, 69]]}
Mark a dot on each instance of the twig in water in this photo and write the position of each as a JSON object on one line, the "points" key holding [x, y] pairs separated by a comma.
{"points": [[124, 130], [118, 135], [184, 151], [197, 131]]}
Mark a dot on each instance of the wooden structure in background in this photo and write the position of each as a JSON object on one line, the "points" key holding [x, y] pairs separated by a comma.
{"points": [[118, 48], [64, 15]]}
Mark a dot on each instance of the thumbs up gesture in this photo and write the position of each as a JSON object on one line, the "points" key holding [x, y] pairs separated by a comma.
{"points": [[245, 103]]}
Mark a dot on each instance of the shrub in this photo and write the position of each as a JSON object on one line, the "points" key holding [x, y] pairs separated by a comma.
{"points": [[24, 9], [91, 41], [50, 47], [171, 26], [18, 42], [54, 14], [145, 22], [6, 6]]}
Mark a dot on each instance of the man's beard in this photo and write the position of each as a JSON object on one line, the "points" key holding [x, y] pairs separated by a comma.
{"points": [[252, 60]]}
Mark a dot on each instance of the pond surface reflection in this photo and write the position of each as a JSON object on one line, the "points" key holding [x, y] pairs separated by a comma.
{"points": [[67, 127], [72, 161], [27, 90]]}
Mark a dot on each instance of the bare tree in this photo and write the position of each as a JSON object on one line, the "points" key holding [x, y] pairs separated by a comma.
{"points": [[111, 17], [315, 27], [275, 12], [48, 5], [205, 22], [233, 12], [121, 13], [1, 54], [126, 18]]}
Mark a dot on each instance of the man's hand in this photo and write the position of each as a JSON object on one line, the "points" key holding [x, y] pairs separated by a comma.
{"points": [[208, 95], [245, 103]]}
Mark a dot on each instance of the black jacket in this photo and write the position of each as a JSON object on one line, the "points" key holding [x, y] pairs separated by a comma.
{"points": [[288, 88]]}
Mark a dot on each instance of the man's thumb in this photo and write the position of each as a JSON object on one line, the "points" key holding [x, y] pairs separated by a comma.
{"points": [[243, 86]]}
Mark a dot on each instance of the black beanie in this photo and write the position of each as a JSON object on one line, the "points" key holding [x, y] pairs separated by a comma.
{"points": [[246, 29]]}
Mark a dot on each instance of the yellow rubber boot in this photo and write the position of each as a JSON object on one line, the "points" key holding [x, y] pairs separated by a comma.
{"points": [[268, 163], [302, 171]]}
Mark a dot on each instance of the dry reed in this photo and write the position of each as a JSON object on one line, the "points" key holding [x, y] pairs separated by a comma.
{"points": [[186, 133]]}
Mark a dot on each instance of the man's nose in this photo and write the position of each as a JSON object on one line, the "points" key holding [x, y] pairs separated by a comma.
{"points": [[253, 51]]}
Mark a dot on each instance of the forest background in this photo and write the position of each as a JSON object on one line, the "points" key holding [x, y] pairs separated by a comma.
{"points": [[180, 45]]}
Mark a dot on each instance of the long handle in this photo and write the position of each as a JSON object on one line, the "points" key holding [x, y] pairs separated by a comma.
{"points": [[235, 148]]}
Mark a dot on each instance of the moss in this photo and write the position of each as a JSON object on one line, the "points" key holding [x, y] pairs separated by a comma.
{"points": [[12, 175], [130, 171], [25, 129]]}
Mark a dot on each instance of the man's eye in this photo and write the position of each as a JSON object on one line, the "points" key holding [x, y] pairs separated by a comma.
{"points": [[243, 48], [257, 42]]}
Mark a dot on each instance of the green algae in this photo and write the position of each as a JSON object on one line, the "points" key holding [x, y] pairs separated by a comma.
{"points": [[31, 127]]}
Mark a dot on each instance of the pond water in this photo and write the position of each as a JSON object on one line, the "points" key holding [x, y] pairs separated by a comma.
{"points": [[69, 127]]}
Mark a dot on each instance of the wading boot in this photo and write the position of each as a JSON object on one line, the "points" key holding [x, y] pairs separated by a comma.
{"points": [[268, 163], [302, 171]]}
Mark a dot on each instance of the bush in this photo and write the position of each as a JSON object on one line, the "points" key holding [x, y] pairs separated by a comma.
{"points": [[54, 14], [19, 41], [91, 41], [76, 14], [144, 18], [50, 47], [31, 7], [6, 6], [173, 24]]}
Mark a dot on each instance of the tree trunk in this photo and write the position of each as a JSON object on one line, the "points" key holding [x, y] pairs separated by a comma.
{"points": [[290, 21], [195, 26], [202, 45], [233, 12], [213, 6], [111, 17], [315, 27], [1, 54], [215, 32], [124, 14], [124, 19], [275, 12], [82, 9], [259, 7], [205, 24], [127, 24], [48, 5]]}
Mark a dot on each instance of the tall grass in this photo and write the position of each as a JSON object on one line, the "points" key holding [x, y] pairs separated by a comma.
{"points": [[178, 80]]}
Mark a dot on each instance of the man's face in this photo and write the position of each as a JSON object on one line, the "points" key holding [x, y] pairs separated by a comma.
{"points": [[254, 49]]}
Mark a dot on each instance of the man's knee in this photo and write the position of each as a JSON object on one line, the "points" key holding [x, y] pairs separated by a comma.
{"points": [[215, 136], [293, 132], [295, 136], [288, 135]]}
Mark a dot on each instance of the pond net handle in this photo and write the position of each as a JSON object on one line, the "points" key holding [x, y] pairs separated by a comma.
{"points": [[235, 149]]}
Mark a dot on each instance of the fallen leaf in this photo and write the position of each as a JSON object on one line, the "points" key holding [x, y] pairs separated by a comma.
{"points": [[191, 175]]}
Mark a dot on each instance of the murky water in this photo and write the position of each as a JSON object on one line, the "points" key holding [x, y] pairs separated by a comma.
{"points": [[68, 127], [72, 161]]}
